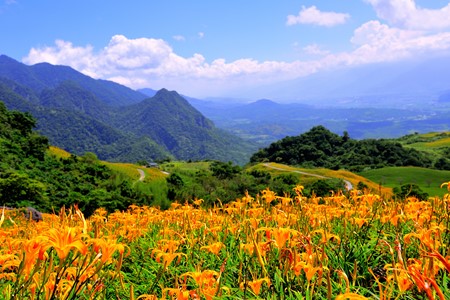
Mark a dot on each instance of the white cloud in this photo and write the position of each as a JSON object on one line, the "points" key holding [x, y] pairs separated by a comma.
{"points": [[312, 15], [379, 42], [201, 35], [146, 62], [315, 49], [179, 38], [406, 14]]}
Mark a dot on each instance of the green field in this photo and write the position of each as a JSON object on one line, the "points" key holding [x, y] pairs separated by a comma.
{"points": [[431, 141], [427, 179]]}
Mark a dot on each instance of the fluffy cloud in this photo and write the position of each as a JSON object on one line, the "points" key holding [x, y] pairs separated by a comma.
{"points": [[146, 62], [312, 15], [379, 42], [406, 14]]}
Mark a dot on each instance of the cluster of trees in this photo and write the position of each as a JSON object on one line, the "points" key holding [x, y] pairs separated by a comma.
{"points": [[30, 176], [319, 147], [225, 182]]}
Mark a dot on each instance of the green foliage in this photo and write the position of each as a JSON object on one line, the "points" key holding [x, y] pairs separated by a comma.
{"points": [[325, 187], [410, 190], [223, 170], [17, 189], [321, 148], [30, 176]]}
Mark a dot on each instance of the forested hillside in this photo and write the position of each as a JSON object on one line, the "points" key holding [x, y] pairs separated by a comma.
{"points": [[81, 114], [319, 147], [31, 176]]}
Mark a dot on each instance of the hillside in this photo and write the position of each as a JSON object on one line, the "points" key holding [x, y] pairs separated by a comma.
{"points": [[429, 180], [33, 175], [81, 115], [321, 148], [172, 122]]}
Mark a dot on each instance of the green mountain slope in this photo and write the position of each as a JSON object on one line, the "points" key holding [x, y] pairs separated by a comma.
{"points": [[30, 175], [80, 114], [172, 122]]}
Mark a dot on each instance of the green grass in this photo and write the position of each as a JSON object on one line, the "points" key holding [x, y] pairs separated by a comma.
{"points": [[427, 179], [428, 141], [58, 152]]}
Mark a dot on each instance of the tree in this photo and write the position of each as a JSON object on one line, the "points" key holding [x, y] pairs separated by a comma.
{"points": [[19, 190], [410, 190], [223, 170], [324, 187]]}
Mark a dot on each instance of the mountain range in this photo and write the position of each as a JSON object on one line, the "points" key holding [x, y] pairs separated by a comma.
{"points": [[265, 121], [349, 85], [81, 114]]}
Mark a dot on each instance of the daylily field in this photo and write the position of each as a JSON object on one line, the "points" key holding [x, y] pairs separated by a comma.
{"points": [[268, 246]]}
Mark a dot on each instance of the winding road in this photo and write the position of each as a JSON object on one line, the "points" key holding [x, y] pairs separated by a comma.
{"points": [[348, 184], [142, 174]]}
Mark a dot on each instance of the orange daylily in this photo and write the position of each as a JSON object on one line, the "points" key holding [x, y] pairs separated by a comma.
{"points": [[65, 239], [255, 285], [213, 248], [350, 296]]}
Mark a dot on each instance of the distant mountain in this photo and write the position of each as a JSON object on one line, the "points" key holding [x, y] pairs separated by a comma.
{"points": [[148, 92], [426, 77], [265, 121], [82, 114], [44, 76]]}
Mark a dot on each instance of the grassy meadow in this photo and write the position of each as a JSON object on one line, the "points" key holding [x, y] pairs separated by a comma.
{"points": [[428, 180]]}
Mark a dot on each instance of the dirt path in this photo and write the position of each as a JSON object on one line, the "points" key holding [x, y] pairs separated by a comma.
{"points": [[142, 174], [348, 184]]}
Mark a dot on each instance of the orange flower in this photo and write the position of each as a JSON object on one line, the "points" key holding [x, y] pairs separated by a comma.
{"points": [[167, 258], [106, 248], [268, 196], [255, 285], [309, 269], [350, 296], [213, 248], [176, 294], [64, 240], [280, 235]]}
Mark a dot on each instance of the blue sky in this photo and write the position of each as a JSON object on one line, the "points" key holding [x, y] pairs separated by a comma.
{"points": [[218, 48]]}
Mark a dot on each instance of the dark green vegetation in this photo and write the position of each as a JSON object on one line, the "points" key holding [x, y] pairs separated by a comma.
{"points": [[319, 147], [80, 114], [218, 183], [31, 176]]}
